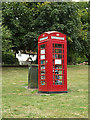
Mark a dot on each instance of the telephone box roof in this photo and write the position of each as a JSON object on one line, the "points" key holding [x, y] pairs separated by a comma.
{"points": [[54, 35], [49, 32]]}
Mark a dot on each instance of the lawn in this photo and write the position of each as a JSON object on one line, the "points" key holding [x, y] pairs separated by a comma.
{"points": [[20, 102]]}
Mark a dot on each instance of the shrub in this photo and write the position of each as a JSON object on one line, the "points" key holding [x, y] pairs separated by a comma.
{"points": [[9, 58], [81, 59]]}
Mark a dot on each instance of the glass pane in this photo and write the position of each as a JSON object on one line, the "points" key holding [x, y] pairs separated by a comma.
{"points": [[43, 51], [43, 71], [58, 82], [43, 77], [42, 61], [43, 67], [58, 66], [58, 76], [42, 57], [58, 45], [56, 71], [42, 82], [59, 71], [58, 56], [43, 46], [58, 51]]}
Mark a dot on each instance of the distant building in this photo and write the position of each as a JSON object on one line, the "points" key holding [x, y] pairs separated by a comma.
{"points": [[25, 59]]}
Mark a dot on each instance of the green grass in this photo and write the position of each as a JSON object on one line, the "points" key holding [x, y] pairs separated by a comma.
{"points": [[20, 102]]}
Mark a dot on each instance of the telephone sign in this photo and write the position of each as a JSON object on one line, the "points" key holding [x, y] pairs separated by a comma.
{"points": [[52, 62]]}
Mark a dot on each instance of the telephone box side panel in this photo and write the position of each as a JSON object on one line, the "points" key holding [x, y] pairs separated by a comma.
{"points": [[65, 64], [42, 68], [42, 64], [63, 43]]}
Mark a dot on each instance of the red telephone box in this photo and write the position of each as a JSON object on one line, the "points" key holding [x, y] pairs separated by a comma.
{"points": [[52, 62]]}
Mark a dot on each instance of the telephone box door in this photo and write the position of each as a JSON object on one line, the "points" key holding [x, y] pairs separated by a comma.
{"points": [[42, 60], [59, 66]]}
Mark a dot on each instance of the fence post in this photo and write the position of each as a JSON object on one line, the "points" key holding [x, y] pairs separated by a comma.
{"points": [[29, 74]]}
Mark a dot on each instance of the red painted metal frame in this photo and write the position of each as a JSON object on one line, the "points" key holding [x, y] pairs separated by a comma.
{"points": [[48, 41]]}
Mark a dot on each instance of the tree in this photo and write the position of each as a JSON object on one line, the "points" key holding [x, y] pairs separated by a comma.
{"points": [[6, 43], [84, 13], [18, 19], [68, 18], [27, 21], [7, 56]]}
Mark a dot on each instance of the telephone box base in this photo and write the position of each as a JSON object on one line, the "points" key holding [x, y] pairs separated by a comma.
{"points": [[50, 92]]}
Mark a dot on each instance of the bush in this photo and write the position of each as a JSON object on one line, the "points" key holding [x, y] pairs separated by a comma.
{"points": [[76, 58], [81, 59], [9, 58]]}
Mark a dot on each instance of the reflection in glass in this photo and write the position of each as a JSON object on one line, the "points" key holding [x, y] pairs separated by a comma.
{"points": [[58, 82], [43, 46], [42, 61], [42, 73], [43, 51], [58, 76], [58, 56], [58, 45], [58, 66], [42, 57], [42, 67], [43, 77], [59, 71], [42, 82], [58, 51]]}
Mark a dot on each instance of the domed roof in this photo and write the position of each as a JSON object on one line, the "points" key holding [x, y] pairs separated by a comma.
{"points": [[49, 32]]}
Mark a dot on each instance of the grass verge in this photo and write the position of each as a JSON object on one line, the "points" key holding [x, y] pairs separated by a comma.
{"points": [[20, 102]]}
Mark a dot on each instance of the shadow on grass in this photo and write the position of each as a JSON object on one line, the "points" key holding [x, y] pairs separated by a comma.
{"points": [[34, 91]]}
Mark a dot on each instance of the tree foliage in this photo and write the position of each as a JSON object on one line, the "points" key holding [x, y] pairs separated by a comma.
{"points": [[6, 43], [8, 56], [27, 21]]}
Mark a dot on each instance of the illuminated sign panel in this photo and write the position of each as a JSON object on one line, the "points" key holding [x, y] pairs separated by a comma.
{"points": [[43, 38], [60, 38]]}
